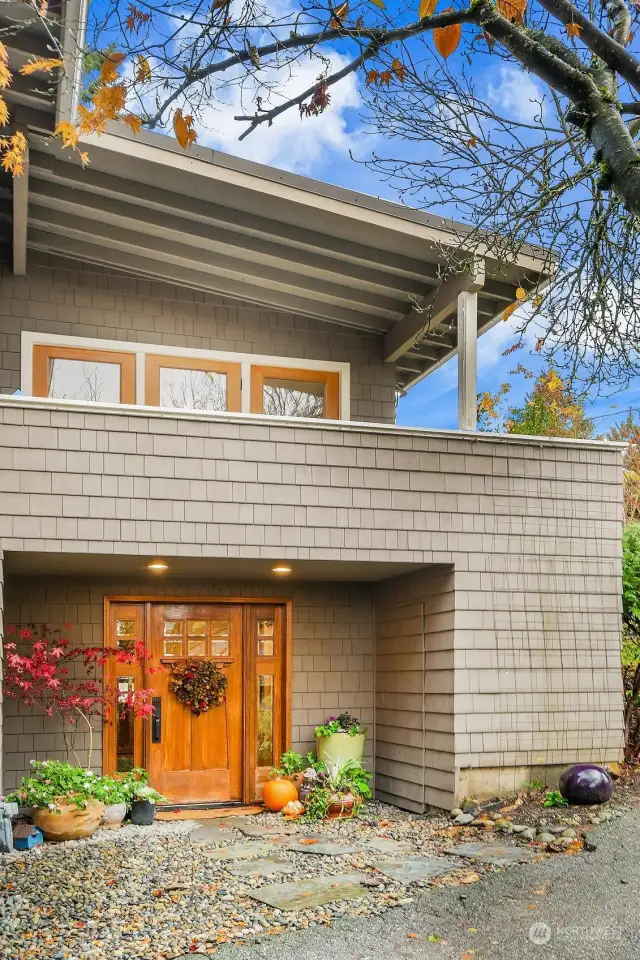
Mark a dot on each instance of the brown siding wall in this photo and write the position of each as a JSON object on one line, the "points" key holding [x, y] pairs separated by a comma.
{"points": [[332, 653], [63, 297], [415, 756]]}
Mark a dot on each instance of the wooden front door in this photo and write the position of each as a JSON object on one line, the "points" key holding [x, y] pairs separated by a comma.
{"points": [[222, 755], [196, 757]]}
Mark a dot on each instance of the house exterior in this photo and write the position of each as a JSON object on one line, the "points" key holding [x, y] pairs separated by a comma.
{"points": [[199, 365]]}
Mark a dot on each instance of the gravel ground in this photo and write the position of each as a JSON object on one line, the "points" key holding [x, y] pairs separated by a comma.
{"points": [[584, 905], [152, 893]]}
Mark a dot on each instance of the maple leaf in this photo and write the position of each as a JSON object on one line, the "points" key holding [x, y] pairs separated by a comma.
{"points": [[426, 8], [371, 78], [143, 70], [385, 77], [573, 29], [41, 64], [109, 69], [183, 129], [4, 112], [133, 122], [399, 69]]}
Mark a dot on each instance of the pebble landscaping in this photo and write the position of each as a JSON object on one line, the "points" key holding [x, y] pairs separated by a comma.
{"points": [[183, 888]]}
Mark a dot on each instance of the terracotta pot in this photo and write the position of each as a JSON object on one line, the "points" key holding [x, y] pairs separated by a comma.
{"points": [[296, 779], [341, 807], [114, 814], [276, 794], [341, 747], [69, 823]]}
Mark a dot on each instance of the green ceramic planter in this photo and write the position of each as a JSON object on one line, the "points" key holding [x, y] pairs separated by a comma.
{"points": [[341, 746]]}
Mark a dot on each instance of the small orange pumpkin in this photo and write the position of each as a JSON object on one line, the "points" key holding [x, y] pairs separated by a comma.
{"points": [[277, 794]]}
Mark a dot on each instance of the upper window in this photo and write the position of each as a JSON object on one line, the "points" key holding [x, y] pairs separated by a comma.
{"points": [[192, 384], [67, 373], [283, 392], [76, 368]]}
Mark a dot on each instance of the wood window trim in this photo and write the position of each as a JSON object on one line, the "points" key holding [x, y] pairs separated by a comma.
{"points": [[44, 353], [330, 379], [155, 362]]}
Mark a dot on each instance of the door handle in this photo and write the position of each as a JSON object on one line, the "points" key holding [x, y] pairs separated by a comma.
{"points": [[156, 720]]}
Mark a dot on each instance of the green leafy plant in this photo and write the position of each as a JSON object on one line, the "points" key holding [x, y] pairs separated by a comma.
{"points": [[535, 785], [292, 763], [53, 782], [344, 778], [110, 790], [554, 798], [136, 786], [344, 723]]}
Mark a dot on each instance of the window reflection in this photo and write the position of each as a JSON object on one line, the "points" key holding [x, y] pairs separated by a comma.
{"points": [[193, 389], [265, 720], [84, 380], [293, 398], [125, 728]]}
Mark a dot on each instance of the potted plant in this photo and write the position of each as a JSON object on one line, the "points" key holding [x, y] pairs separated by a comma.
{"points": [[65, 799], [141, 797], [340, 738], [336, 792], [292, 767], [115, 796]]}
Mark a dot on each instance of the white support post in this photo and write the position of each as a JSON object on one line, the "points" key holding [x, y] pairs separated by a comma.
{"points": [[467, 350]]}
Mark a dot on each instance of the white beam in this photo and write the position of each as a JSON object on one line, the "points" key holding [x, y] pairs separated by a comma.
{"points": [[436, 308], [72, 41], [467, 355], [21, 217]]}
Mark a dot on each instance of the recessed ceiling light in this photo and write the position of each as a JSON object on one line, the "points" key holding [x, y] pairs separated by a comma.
{"points": [[158, 566], [281, 568]]}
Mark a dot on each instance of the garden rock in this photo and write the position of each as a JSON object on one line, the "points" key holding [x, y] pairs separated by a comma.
{"points": [[463, 819], [545, 837], [409, 869], [304, 894], [529, 833], [493, 853]]}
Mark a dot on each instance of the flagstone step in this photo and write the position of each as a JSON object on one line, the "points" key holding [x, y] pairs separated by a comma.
{"points": [[302, 894], [494, 853], [409, 869], [262, 868]]}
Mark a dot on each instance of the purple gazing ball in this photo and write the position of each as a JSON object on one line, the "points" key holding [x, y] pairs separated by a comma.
{"points": [[586, 784]]}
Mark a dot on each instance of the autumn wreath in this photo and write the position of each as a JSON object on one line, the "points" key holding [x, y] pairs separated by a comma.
{"points": [[199, 684]]}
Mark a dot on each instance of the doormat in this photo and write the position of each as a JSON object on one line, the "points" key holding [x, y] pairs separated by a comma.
{"points": [[213, 814]]}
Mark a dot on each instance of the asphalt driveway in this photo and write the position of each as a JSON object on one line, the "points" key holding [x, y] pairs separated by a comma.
{"points": [[581, 907]]}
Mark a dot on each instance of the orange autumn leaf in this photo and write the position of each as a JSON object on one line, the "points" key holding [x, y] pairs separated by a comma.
{"points": [[4, 112], [399, 69], [67, 133], [133, 122], [342, 11], [109, 69], [413, 936], [143, 71], [506, 313], [307, 841], [513, 10], [426, 8], [371, 78], [5, 73], [13, 152], [183, 129], [446, 39], [573, 29], [41, 64], [521, 295]]}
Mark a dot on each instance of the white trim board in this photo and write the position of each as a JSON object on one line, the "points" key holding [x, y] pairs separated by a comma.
{"points": [[29, 339]]}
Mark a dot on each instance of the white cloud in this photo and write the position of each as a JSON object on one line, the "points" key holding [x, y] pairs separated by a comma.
{"points": [[291, 143], [515, 92]]}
